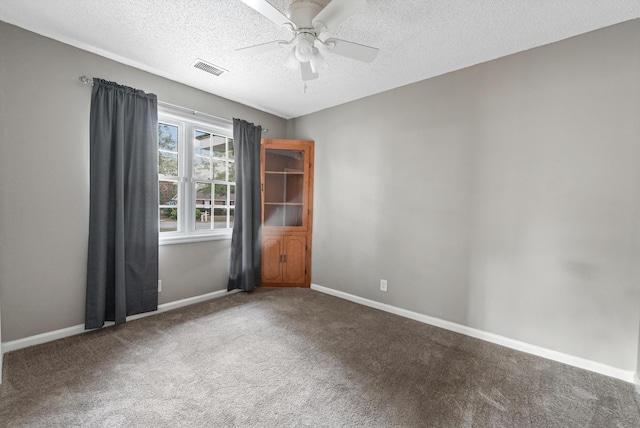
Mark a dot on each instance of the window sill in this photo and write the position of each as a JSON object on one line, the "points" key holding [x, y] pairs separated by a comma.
{"points": [[186, 239]]}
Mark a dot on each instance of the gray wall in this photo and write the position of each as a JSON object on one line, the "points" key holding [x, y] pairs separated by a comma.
{"points": [[504, 197], [44, 193]]}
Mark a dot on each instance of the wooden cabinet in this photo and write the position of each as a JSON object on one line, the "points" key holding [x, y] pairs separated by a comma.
{"points": [[287, 198]]}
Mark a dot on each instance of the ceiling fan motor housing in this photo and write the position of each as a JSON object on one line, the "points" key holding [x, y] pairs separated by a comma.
{"points": [[302, 12]]}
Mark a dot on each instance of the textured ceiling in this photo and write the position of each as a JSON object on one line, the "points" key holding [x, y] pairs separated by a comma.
{"points": [[417, 39]]}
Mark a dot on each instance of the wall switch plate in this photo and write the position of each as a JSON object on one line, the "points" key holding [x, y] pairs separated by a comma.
{"points": [[159, 286], [383, 285]]}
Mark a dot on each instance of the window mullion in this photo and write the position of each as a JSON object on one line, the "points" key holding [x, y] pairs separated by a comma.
{"points": [[190, 196], [184, 188]]}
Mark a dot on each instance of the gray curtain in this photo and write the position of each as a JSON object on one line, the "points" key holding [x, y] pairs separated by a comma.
{"points": [[246, 245], [122, 266]]}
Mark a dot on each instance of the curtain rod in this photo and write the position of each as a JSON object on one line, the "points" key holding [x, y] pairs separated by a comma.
{"points": [[87, 81]]}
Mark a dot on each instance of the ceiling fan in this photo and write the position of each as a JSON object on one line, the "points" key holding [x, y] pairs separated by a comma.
{"points": [[307, 20]]}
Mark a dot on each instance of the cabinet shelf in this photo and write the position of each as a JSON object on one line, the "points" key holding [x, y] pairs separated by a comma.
{"points": [[285, 172], [292, 204]]}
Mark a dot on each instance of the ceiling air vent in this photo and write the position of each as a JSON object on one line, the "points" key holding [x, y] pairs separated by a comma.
{"points": [[209, 68]]}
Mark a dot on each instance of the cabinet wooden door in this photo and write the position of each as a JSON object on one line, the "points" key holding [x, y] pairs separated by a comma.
{"points": [[271, 259], [293, 266], [287, 199]]}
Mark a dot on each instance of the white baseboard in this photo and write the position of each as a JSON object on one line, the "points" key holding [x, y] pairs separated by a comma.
{"points": [[78, 329], [627, 376]]}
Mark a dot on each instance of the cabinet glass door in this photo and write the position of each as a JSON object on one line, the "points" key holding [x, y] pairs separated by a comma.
{"points": [[284, 187]]}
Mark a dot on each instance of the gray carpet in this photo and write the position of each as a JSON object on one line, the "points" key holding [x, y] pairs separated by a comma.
{"points": [[296, 357]]}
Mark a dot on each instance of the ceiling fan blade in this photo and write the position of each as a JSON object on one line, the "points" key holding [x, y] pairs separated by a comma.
{"points": [[351, 50], [264, 47], [267, 10], [307, 73], [335, 12]]}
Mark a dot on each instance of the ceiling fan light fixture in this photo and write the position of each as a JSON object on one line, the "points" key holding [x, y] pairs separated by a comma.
{"points": [[304, 46], [317, 61], [291, 61]]}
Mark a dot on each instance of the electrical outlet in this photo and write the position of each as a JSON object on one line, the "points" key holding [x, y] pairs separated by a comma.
{"points": [[159, 286], [383, 285]]}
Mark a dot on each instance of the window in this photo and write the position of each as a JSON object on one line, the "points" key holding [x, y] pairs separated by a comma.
{"points": [[196, 177]]}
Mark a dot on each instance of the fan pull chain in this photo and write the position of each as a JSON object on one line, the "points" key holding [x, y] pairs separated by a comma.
{"points": [[304, 91]]}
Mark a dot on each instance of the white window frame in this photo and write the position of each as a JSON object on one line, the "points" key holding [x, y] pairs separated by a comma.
{"points": [[187, 124]]}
